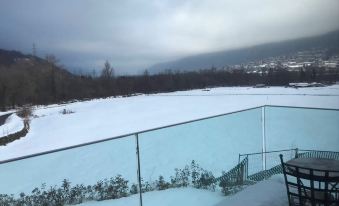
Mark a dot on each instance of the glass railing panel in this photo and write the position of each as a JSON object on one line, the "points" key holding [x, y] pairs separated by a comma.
{"points": [[303, 128], [316, 129], [93, 172], [184, 155], [213, 144], [273, 159]]}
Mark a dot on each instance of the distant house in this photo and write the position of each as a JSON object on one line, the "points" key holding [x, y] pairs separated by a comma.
{"points": [[260, 86], [303, 84], [299, 85], [330, 64]]}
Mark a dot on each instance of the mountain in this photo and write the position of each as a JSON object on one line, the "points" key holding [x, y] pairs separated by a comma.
{"points": [[9, 57], [11, 61], [243, 55], [28, 79]]}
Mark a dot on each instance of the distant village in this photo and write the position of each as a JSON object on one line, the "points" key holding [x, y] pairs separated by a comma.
{"points": [[320, 58]]}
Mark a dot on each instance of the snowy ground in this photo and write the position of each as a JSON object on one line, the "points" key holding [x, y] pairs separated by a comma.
{"points": [[270, 192], [214, 143], [13, 124], [170, 197], [98, 119]]}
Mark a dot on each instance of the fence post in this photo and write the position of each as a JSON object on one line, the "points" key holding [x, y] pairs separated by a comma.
{"points": [[263, 124], [247, 167], [138, 170]]}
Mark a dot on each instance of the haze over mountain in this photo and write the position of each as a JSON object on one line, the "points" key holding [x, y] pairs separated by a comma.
{"points": [[136, 34], [238, 56]]}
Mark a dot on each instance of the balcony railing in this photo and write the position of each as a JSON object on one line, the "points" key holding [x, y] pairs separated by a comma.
{"points": [[194, 153]]}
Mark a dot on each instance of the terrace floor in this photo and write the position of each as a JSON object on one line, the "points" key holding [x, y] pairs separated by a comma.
{"points": [[269, 192]]}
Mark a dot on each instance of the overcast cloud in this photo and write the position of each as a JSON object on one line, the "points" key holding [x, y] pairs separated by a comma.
{"points": [[135, 34]]}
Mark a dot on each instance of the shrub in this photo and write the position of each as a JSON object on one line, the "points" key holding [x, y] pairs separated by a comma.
{"points": [[161, 184], [181, 178], [66, 111], [25, 112], [113, 188], [206, 181], [134, 189]]}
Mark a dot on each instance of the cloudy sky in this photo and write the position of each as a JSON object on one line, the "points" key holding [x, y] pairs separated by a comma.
{"points": [[135, 34]]}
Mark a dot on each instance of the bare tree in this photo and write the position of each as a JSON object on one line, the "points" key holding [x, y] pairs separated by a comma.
{"points": [[50, 58], [108, 71]]}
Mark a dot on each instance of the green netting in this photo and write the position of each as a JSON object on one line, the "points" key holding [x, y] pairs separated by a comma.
{"points": [[319, 154], [262, 175], [239, 174], [236, 176]]}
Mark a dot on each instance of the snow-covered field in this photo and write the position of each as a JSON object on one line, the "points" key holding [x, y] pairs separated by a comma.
{"points": [[102, 118], [214, 143]]}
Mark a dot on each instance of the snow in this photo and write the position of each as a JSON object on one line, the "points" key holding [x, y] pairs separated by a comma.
{"points": [[214, 143], [170, 197], [12, 125], [269, 192], [103, 118]]}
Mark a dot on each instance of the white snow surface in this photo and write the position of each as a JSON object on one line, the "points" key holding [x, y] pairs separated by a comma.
{"points": [[12, 125], [103, 118], [170, 197], [270, 192], [214, 144]]}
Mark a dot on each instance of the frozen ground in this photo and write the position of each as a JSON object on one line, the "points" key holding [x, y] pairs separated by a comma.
{"points": [[170, 197], [270, 192], [214, 144], [98, 119]]}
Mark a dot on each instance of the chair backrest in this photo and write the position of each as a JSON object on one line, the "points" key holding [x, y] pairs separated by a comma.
{"points": [[307, 186]]}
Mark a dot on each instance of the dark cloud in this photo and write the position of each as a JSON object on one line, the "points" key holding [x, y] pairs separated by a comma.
{"points": [[134, 34]]}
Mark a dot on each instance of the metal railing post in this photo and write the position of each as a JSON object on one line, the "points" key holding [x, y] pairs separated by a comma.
{"points": [[138, 170], [247, 166], [263, 124]]}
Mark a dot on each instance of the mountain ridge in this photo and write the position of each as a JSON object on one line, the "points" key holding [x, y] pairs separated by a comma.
{"points": [[328, 40]]}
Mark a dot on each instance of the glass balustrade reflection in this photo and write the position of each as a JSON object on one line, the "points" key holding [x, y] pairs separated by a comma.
{"points": [[315, 129], [303, 128], [208, 146], [100, 171], [185, 155]]}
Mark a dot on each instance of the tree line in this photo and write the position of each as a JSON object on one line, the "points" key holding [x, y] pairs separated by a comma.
{"points": [[41, 82]]}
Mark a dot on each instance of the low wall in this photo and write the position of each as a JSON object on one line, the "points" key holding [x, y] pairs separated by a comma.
{"points": [[15, 136]]}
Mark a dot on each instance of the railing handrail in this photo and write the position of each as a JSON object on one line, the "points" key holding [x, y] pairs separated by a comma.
{"points": [[312, 150], [285, 150], [148, 130], [122, 136], [266, 152], [300, 107]]}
